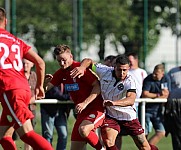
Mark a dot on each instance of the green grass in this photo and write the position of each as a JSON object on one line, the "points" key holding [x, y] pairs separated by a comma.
{"points": [[128, 144]]}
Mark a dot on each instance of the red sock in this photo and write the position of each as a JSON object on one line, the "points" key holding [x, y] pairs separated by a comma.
{"points": [[93, 140], [8, 143], [153, 147], [36, 141], [112, 148]]}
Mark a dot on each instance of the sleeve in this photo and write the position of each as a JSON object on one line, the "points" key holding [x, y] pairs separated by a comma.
{"points": [[131, 85], [146, 85], [100, 69], [57, 78], [89, 77]]}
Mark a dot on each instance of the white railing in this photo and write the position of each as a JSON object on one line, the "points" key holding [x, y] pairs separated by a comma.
{"points": [[143, 102]]}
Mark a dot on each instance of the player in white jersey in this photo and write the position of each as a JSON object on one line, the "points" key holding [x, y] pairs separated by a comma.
{"points": [[118, 89], [138, 75]]}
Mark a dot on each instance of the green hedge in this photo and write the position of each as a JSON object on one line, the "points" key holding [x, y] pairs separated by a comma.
{"points": [[51, 67]]}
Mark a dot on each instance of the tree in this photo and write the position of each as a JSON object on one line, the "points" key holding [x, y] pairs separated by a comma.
{"points": [[125, 19], [52, 22]]}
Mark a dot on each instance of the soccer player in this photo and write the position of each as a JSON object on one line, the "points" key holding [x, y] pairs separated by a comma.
{"points": [[85, 92], [15, 91], [138, 75], [119, 93]]}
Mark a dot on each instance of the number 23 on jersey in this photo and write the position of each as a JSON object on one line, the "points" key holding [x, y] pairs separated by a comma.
{"points": [[5, 52]]}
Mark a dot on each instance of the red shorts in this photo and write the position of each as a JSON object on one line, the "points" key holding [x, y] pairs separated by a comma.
{"points": [[15, 107], [132, 127], [93, 116]]}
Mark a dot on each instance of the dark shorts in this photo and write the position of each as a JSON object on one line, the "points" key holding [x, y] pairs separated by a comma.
{"points": [[132, 127]]}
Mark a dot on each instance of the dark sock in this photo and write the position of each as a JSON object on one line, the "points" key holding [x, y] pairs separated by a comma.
{"points": [[8, 143], [36, 141]]}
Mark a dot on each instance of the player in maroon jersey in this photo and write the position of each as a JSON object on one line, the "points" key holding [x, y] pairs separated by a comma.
{"points": [[15, 91]]}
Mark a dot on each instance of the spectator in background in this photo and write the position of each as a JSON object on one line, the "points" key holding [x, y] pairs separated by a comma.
{"points": [[85, 93], [172, 110], [15, 93], [138, 75], [32, 80], [108, 61], [155, 85], [175, 77], [55, 115]]}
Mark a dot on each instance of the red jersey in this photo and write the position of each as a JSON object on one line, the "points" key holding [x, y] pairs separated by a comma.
{"points": [[12, 51], [79, 88]]}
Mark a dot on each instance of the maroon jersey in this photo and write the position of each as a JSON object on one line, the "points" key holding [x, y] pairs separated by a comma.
{"points": [[12, 51], [79, 88]]}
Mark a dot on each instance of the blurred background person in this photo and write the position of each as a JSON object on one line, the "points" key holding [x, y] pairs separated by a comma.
{"points": [[108, 61], [172, 110], [155, 85], [55, 115]]}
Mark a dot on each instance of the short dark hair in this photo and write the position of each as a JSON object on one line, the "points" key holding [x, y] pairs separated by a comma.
{"points": [[2, 14], [122, 60], [59, 49], [110, 58]]}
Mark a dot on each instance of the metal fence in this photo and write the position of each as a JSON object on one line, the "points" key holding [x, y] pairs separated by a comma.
{"points": [[142, 101]]}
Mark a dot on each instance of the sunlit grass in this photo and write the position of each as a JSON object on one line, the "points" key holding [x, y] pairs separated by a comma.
{"points": [[128, 144]]}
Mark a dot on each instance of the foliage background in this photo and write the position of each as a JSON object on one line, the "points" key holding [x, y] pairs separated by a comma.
{"points": [[52, 23]]}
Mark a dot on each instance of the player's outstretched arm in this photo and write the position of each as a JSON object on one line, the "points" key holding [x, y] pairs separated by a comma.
{"points": [[79, 71]]}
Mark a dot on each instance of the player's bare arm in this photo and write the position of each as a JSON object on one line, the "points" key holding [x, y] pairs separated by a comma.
{"points": [[95, 92], [79, 71], [40, 71], [128, 101]]}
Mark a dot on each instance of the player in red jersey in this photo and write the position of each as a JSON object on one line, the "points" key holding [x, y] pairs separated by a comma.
{"points": [[85, 92], [15, 91]]}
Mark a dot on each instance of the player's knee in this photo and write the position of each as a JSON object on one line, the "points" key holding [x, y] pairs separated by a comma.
{"points": [[109, 142], [83, 131]]}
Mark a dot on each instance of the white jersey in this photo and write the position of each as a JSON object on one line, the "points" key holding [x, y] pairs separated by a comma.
{"points": [[138, 75], [115, 90]]}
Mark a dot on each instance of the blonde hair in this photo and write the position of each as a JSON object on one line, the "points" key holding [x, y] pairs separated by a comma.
{"points": [[160, 66]]}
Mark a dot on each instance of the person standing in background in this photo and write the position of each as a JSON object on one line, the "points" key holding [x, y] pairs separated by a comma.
{"points": [[175, 77], [172, 109], [15, 92], [32, 80], [155, 85], [108, 61], [55, 115]]}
